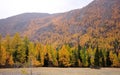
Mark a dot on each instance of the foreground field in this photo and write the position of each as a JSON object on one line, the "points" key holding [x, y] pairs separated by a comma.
{"points": [[60, 71]]}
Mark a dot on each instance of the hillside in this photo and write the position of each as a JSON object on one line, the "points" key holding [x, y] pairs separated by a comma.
{"points": [[87, 37], [100, 19], [18, 23]]}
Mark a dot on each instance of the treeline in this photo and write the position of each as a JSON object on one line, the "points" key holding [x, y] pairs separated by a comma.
{"points": [[20, 52]]}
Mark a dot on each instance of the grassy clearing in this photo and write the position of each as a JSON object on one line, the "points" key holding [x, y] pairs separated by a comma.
{"points": [[60, 71]]}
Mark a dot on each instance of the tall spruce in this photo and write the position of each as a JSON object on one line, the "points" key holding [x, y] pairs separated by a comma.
{"points": [[97, 57]]}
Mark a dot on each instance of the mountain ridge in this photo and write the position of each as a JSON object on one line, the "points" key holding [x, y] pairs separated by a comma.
{"points": [[100, 19]]}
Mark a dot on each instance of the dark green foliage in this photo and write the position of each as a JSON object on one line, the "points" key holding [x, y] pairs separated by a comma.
{"points": [[26, 43], [97, 57], [46, 60], [108, 62]]}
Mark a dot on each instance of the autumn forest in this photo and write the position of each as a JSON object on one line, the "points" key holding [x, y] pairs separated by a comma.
{"points": [[21, 52], [86, 37]]}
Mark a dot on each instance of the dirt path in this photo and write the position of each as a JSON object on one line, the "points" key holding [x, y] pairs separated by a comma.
{"points": [[60, 71]]}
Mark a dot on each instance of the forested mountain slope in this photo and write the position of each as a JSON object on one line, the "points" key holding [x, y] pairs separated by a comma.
{"points": [[101, 19], [83, 37]]}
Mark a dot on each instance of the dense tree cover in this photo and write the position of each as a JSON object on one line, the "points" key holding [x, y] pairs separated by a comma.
{"points": [[21, 52]]}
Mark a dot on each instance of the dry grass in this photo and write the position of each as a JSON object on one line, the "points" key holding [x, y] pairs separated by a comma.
{"points": [[60, 71]]}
